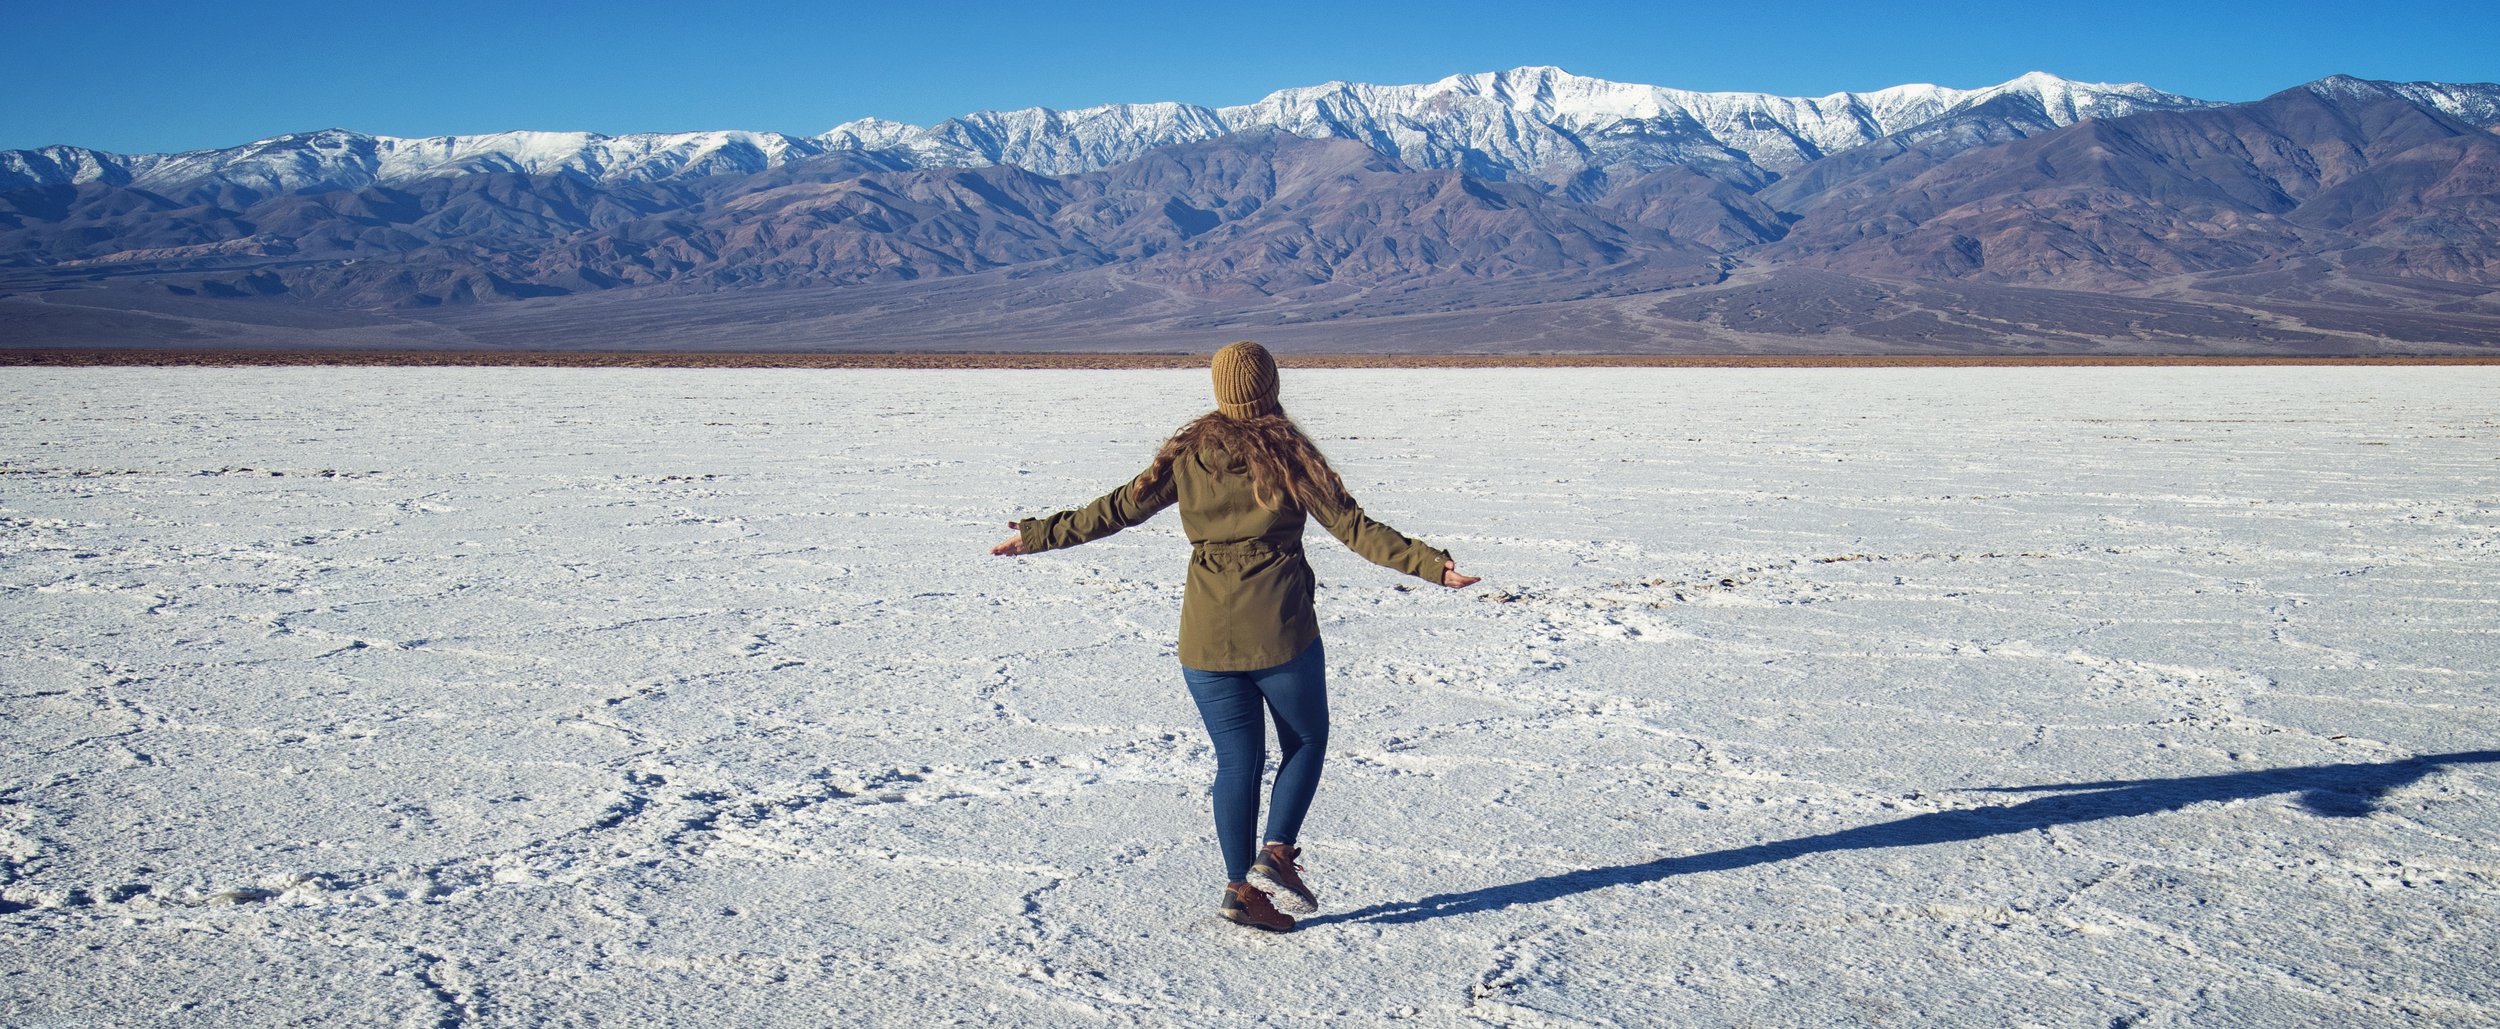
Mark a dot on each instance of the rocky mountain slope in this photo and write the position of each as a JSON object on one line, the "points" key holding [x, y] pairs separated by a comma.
{"points": [[2362, 175], [1528, 208]]}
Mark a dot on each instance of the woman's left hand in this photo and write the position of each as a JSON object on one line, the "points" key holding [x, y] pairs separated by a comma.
{"points": [[1013, 546]]}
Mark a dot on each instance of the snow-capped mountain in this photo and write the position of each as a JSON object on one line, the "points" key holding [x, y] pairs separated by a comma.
{"points": [[1537, 124], [2475, 104], [339, 159], [2357, 208]]}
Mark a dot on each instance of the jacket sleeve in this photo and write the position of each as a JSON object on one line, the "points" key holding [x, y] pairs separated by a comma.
{"points": [[1108, 514], [1380, 544]]}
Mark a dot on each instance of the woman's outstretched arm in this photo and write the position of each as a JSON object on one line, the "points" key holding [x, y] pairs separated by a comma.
{"points": [[1108, 514], [1388, 548]]}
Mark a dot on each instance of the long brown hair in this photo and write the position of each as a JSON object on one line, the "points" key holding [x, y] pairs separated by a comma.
{"points": [[1284, 463]]}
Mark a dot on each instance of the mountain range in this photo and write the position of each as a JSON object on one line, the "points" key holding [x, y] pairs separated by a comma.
{"points": [[1529, 209]]}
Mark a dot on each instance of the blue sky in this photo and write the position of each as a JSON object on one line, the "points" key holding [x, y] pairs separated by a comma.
{"points": [[151, 76]]}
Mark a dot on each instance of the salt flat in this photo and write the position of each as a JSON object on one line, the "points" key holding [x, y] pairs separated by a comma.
{"points": [[2097, 696]]}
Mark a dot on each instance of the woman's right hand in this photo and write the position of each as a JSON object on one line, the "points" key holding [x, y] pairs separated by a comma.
{"points": [[1012, 546], [1453, 580]]}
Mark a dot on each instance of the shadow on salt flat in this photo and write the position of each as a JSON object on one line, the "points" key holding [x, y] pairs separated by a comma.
{"points": [[2337, 791]]}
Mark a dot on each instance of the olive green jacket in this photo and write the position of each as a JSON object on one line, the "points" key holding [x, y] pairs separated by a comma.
{"points": [[1247, 604]]}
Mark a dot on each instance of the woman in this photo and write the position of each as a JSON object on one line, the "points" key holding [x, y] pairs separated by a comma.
{"points": [[1244, 476]]}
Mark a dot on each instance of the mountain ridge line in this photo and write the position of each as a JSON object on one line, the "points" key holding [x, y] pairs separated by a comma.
{"points": [[1530, 211]]}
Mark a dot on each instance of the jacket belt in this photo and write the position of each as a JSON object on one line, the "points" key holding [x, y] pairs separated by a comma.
{"points": [[1252, 547]]}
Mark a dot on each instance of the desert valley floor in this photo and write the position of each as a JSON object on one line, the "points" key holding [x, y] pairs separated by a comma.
{"points": [[1981, 696]]}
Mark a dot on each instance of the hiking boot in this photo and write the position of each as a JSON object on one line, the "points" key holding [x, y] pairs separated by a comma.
{"points": [[1249, 907], [1274, 870]]}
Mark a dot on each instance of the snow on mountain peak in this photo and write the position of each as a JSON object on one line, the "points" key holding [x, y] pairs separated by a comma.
{"points": [[2067, 101], [1537, 122], [2475, 103]]}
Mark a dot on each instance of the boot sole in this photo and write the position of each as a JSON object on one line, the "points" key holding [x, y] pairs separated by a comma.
{"points": [[1286, 898], [1247, 923]]}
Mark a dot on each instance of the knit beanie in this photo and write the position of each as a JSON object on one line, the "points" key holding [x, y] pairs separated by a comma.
{"points": [[1245, 381]]}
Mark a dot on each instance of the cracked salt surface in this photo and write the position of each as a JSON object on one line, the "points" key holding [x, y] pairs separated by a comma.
{"points": [[1976, 696]]}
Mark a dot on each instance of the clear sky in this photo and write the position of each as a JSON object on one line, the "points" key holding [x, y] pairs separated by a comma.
{"points": [[144, 75]]}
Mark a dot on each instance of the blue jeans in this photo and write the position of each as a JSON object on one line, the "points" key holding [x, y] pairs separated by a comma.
{"points": [[1236, 706]]}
